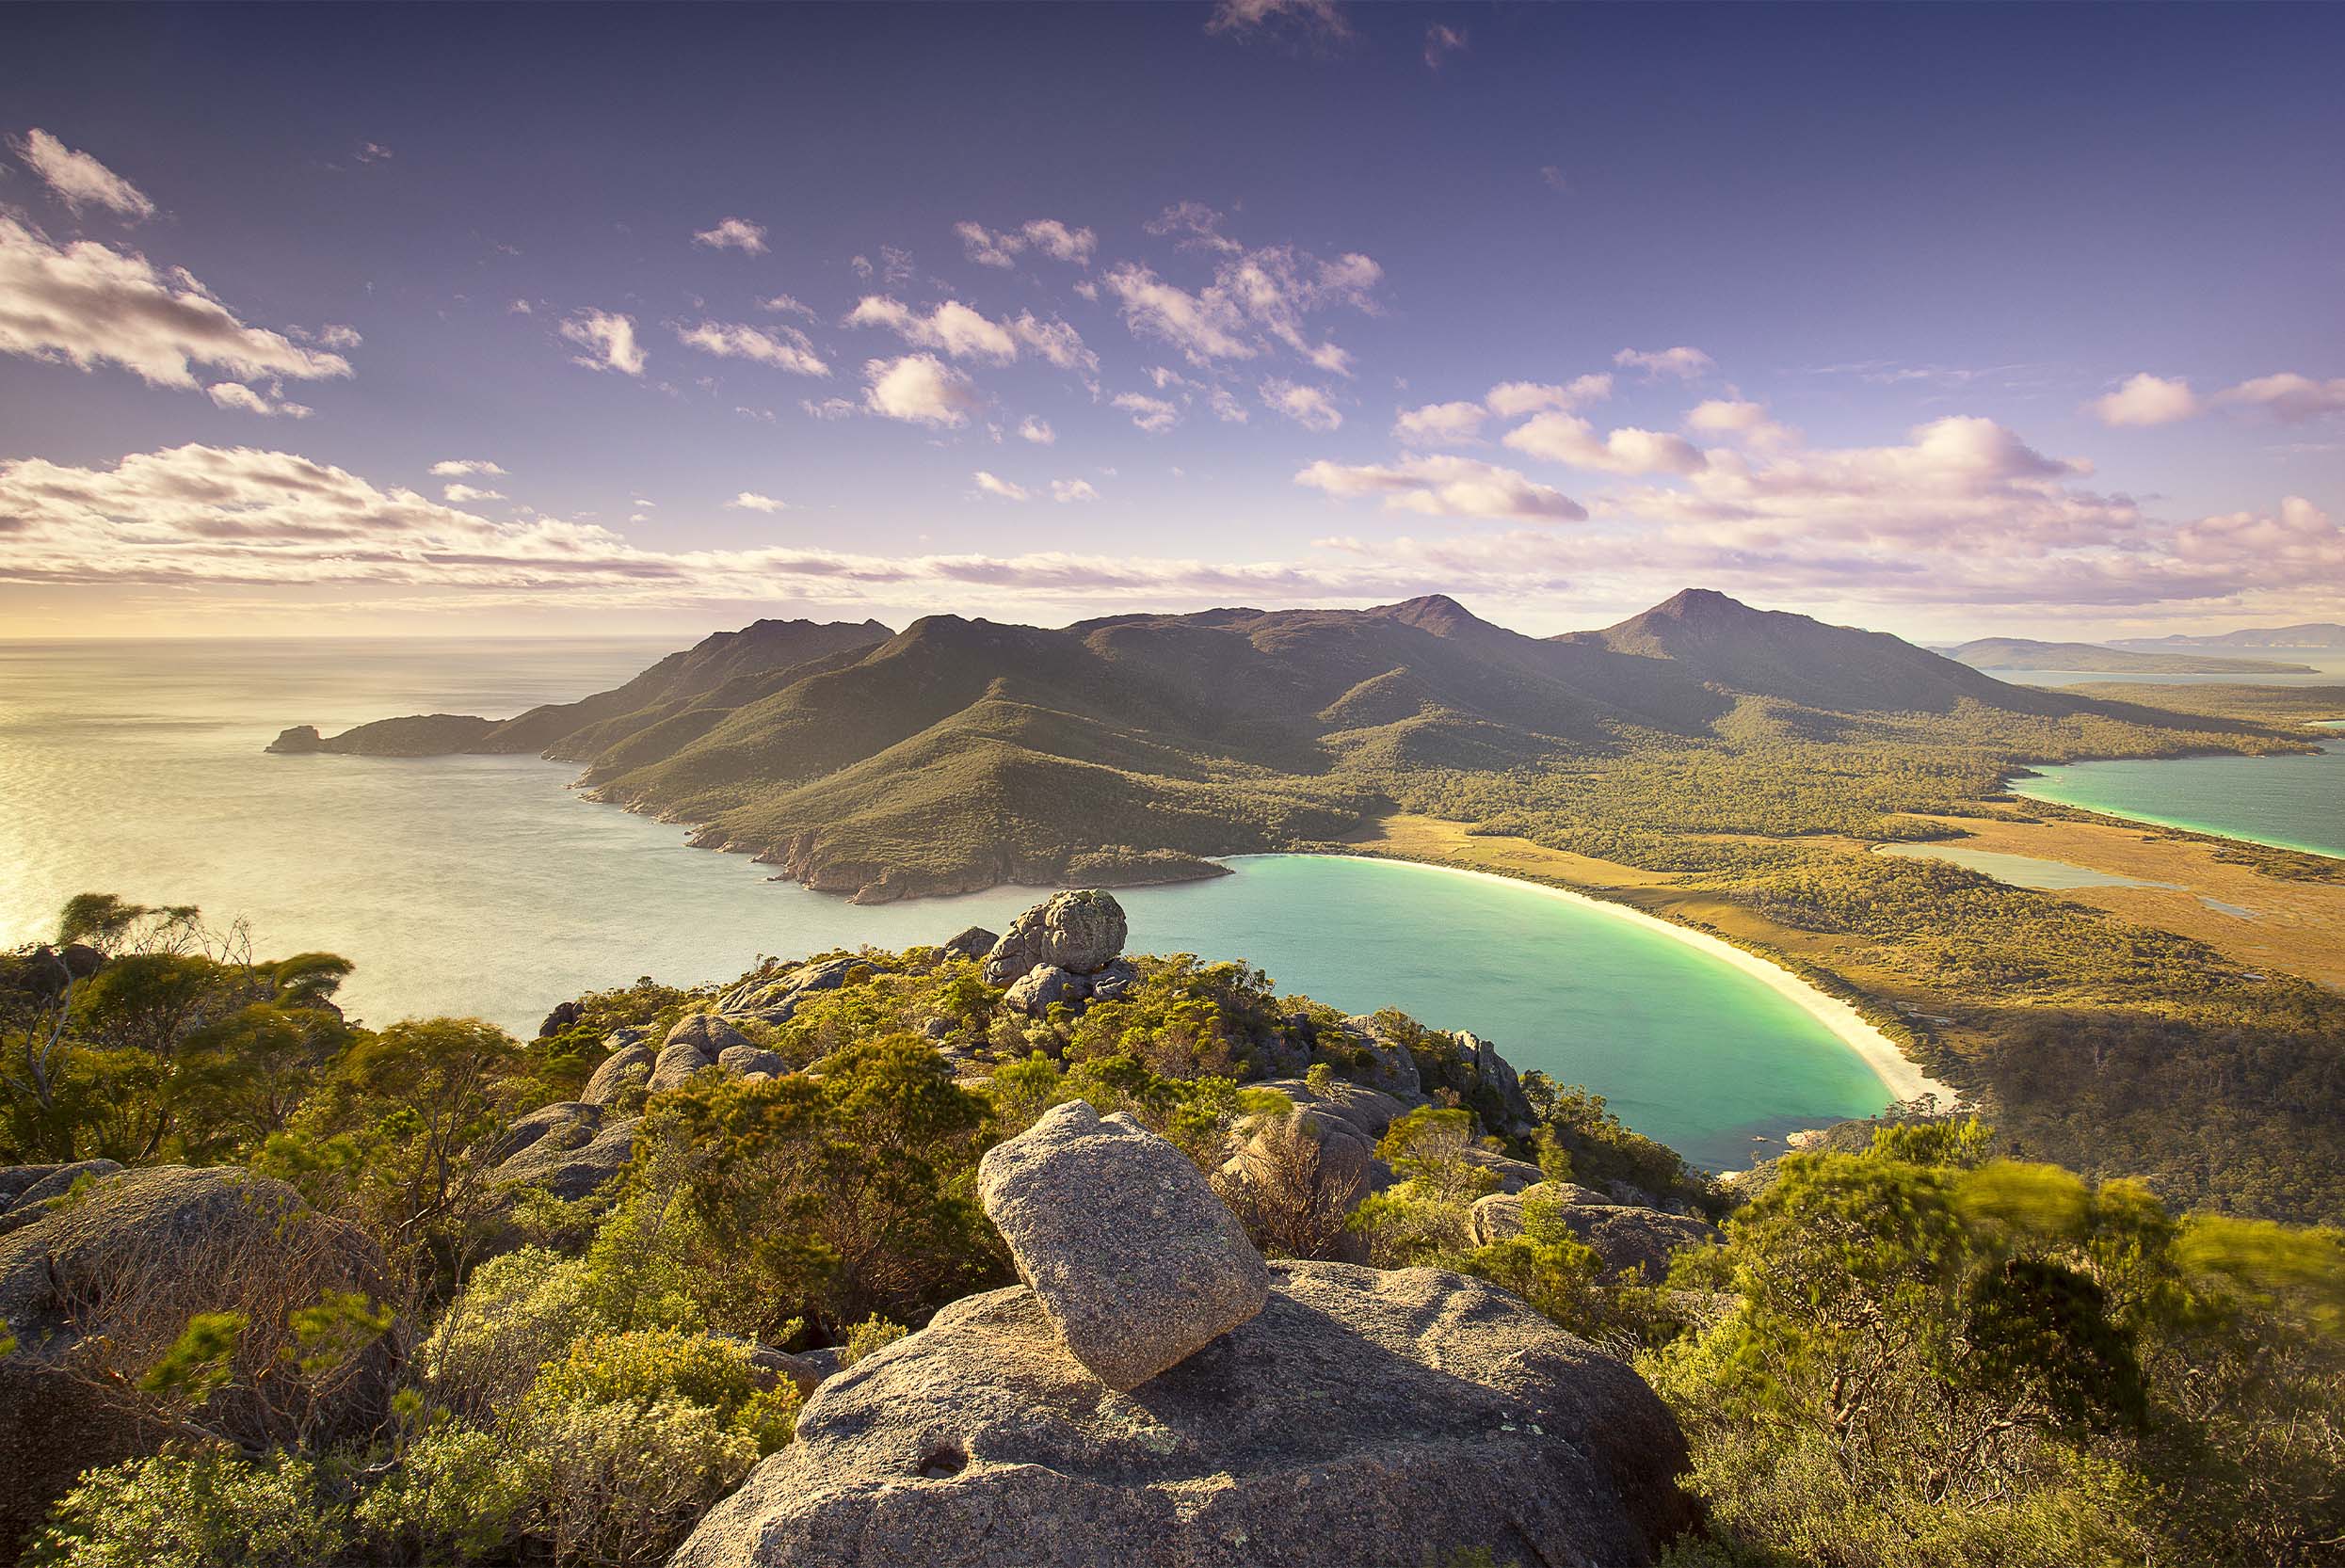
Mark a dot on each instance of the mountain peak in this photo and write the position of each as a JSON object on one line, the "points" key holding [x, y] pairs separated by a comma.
{"points": [[1436, 613], [1698, 604]]}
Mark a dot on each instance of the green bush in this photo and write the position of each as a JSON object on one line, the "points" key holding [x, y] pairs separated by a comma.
{"points": [[204, 1511]]}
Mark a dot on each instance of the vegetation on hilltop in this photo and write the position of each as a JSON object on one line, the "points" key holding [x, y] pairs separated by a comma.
{"points": [[2022, 653], [2105, 1383]]}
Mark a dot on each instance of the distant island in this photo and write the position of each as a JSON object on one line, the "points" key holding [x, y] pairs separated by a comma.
{"points": [[959, 755], [2022, 653], [2311, 634]]}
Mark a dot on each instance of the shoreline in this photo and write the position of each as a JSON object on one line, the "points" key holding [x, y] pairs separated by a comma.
{"points": [[2013, 784], [1903, 1077]]}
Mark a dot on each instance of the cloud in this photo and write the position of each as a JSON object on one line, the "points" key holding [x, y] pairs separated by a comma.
{"points": [[1687, 364], [1224, 404], [1072, 489], [1037, 430], [1441, 43], [965, 334], [749, 500], [2289, 396], [79, 180], [338, 337], [1307, 406], [1309, 17], [784, 347], [1512, 399], [920, 388], [1564, 438], [1439, 425], [235, 394], [1153, 414], [87, 304], [1445, 487], [829, 407], [735, 233], [456, 468], [462, 493], [1553, 178], [374, 152], [2145, 399], [990, 484], [782, 304], [1257, 298], [1739, 421], [609, 340], [1962, 513], [1046, 235]]}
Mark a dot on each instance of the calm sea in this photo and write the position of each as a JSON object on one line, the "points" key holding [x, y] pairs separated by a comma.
{"points": [[484, 885]]}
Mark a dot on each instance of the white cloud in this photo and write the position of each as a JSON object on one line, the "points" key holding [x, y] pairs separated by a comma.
{"points": [[1687, 364], [1512, 399], [920, 388], [79, 180], [784, 347], [1256, 297], [235, 394], [782, 304], [374, 152], [1226, 406], [87, 304], [338, 337], [462, 493], [456, 468], [735, 233], [829, 407], [1037, 430], [1439, 425], [965, 334], [1569, 439], [1046, 235], [609, 340], [2145, 399], [1445, 487], [1153, 414], [1307, 406], [1441, 43], [2289, 396], [749, 500], [1737, 420], [991, 484], [1072, 489]]}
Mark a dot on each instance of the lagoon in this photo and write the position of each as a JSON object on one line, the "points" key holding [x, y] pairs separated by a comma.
{"points": [[483, 884], [2292, 802]]}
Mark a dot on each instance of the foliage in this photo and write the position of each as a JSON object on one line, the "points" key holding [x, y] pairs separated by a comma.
{"points": [[206, 1509]]}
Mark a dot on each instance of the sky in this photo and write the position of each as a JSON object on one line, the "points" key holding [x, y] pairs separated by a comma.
{"points": [[548, 320]]}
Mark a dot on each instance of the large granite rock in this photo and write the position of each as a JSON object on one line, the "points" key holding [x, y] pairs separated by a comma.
{"points": [[95, 1293], [628, 1068], [1133, 1258], [1371, 1111], [1362, 1419], [1078, 931], [705, 1033], [1628, 1238], [1382, 1063], [1499, 1216], [975, 943], [1296, 1179], [574, 1156], [26, 1192], [744, 1059], [676, 1065]]}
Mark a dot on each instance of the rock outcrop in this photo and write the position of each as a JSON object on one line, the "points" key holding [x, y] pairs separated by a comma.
{"points": [[1080, 932], [1362, 1419], [27, 1192], [1624, 1237], [569, 1150], [774, 995], [1134, 1259], [96, 1291]]}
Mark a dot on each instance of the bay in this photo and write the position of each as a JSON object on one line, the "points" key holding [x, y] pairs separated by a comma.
{"points": [[484, 885]]}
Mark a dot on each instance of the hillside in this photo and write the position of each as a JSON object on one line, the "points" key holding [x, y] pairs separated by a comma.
{"points": [[2325, 634], [2022, 653], [960, 754]]}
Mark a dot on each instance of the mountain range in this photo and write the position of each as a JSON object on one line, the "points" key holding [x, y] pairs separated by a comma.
{"points": [[959, 753], [2311, 634], [2022, 653]]}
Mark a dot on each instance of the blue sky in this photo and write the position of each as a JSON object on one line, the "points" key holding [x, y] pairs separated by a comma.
{"points": [[1946, 320]]}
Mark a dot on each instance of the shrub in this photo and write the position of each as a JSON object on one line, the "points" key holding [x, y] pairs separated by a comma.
{"points": [[211, 1510]]}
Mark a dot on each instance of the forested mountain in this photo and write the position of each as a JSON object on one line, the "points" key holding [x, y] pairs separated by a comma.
{"points": [[959, 753]]}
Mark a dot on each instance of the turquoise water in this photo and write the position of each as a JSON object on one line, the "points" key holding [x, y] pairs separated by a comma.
{"points": [[483, 886], [2295, 802]]}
